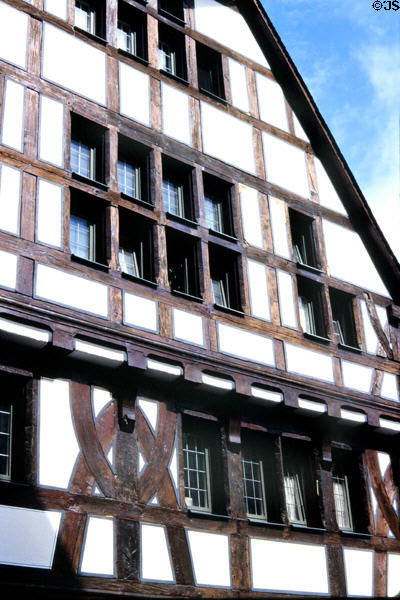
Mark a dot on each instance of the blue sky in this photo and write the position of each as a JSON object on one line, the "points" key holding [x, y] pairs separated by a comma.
{"points": [[349, 56]]}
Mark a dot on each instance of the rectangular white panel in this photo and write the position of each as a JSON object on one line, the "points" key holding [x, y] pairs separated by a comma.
{"points": [[12, 133], [245, 344], [285, 165], [279, 226], [49, 213], [10, 198], [218, 382], [348, 259], [57, 443], [13, 35], [271, 102], [74, 64], [31, 336], [134, 94], [140, 312], [227, 138], [210, 554], [258, 289], [28, 536], [188, 327], [326, 192], [98, 354], [51, 131], [176, 114], [238, 81], [72, 291], [389, 387], [359, 571], [288, 567], [287, 303], [251, 218], [98, 547], [371, 339], [8, 270], [58, 8], [357, 377], [234, 34], [155, 556], [309, 363], [393, 575]]}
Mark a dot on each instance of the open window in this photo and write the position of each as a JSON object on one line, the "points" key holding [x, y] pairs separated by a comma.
{"points": [[171, 52], [173, 9], [133, 169], [87, 150], [90, 16], [177, 189], [303, 239], [87, 232], [136, 246], [12, 423], [209, 69], [349, 491], [132, 31], [218, 205], [311, 308], [224, 277], [182, 255], [343, 318]]}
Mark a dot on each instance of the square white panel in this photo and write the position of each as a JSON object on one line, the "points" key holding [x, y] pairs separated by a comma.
{"points": [[140, 312], [188, 327], [357, 377], [359, 571], [58, 8], [210, 554], [98, 547], [245, 344], [285, 165], [309, 363]]}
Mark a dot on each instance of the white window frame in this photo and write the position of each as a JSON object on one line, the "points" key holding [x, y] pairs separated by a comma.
{"points": [[207, 491], [294, 498], [342, 503], [91, 230], [173, 193], [9, 434], [126, 38], [136, 177], [167, 58], [255, 516], [77, 147], [84, 9]]}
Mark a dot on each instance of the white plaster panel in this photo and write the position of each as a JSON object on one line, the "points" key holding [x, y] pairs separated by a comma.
{"points": [[279, 226], [8, 270], [28, 537], [31, 336], [98, 548], [12, 133], [74, 64], [271, 102], [210, 554], [251, 218], [245, 344], [141, 462], [287, 304], [227, 138], [49, 213], [155, 557], [10, 198], [149, 409], [357, 377], [298, 130], [288, 567], [359, 571], [100, 399], [235, 33], [97, 354], [174, 470], [258, 289], [51, 131], [72, 291], [175, 114], [58, 8], [238, 81], [393, 575], [348, 259], [285, 165], [309, 363], [384, 462], [57, 443], [134, 90], [13, 35], [327, 193], [140, 312], [389, 387], [371, 339], [188, 327]]}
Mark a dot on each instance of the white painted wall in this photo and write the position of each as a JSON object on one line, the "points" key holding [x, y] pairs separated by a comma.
{"points": [[14, 25], [149, 409], [309, 363], [98, 549], [49, 213], [359, 571], [251, 218], [287, 302], [285, 165], [176, 114], [327, 193], [227, 138], [155, 557], [279, 227], [393, 574], [8, 270], [28, 536], [74, 64], [298, 130], [245, 344], [12, 132], [100, 399], [134, 94], [271, 102], [140, 312], [390, 387], [71, 290], [357, 377], [188, 327], [238, 81], [371, 339], [58, 8], [51, 131], [10, 198], [210, 554], [258, 289]]}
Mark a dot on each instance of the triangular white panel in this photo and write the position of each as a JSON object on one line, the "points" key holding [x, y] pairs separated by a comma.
{"points": [[173, 469], [96, 491], [384, 462], [100, 399], [142, 464], [154, 501], [149, 409]]}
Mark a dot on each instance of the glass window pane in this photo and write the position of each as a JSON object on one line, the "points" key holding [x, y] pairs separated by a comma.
{"points": [[79, 239]]}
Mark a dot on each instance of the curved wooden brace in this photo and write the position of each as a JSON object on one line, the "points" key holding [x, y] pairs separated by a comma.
{"points": [[381, 494]]}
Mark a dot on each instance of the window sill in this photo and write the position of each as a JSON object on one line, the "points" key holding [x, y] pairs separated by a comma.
{"points": [[213, 96], [229, 310], [89, 181], [182, 220], [175, 77], [224, 236], [90, 263], [255, 521], [310, 268], [92, 36], [187, 296], [349, 348], [136, 279], [137, 200], [353, 534], [172, 17], [139, 59], [207, 515], [316, 338], [306, 527]]}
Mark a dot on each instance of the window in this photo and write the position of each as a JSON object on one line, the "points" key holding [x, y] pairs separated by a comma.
{"points": [[224, 277], [177, 189], [209, 69], [343, 318], [217, 199], [254, 489], [90, 17], [87, 228], [12, 428], [349, 491], [136, 245], [302, 230], [171, 52], [132, 31], [6, 418], [87, 149], [311, 308], [342, 502], [133, 159], [182, 263], [172, 8]]}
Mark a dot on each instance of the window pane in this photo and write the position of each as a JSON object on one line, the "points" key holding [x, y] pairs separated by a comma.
{"points": [[83, 159], [294, 500], [173, 198], [254, 492], [342, 503], [126, 38], [5, 441], [129, 179], [214, 214], [85, 17], [196, 472], [79, 237]]}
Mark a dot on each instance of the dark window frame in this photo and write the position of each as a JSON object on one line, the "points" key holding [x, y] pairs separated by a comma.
{"points": [[183, 264], [218, 206], [86, 135], [97, 29], [342, 305], [135, 21], [210, 72], [93, 210], [224, 268], [174, 42], [312, 309], [180, 176], [304, 238], [137, 156], [136, 236]]}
